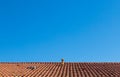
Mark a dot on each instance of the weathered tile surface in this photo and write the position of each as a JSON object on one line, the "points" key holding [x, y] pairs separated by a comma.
{"points": [[58, 70]]}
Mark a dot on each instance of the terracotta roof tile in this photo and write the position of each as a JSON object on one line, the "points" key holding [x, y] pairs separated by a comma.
{"points": [[58, 70]]}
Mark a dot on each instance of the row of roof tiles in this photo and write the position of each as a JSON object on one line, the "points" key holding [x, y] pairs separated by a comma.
{"points": [[55, 69]]}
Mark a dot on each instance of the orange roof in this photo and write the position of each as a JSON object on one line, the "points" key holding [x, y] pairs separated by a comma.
{"points": [[58, 70]]}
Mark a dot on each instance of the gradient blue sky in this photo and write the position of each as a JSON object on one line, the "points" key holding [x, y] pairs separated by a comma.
{"points": [[48, 30]]}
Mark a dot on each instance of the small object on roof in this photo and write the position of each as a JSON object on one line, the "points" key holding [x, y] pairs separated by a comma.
{"points": [[32, 67], [62, 61]]}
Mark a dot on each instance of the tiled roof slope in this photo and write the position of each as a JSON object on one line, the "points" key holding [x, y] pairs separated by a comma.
{"points": [[58, 70]]}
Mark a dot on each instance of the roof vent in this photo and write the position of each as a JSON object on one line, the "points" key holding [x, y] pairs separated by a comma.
{"points": [[32, 67], [62, 61]]}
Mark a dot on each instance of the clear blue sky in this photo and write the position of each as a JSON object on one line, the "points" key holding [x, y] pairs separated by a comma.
{"points": [[48, 30]]}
